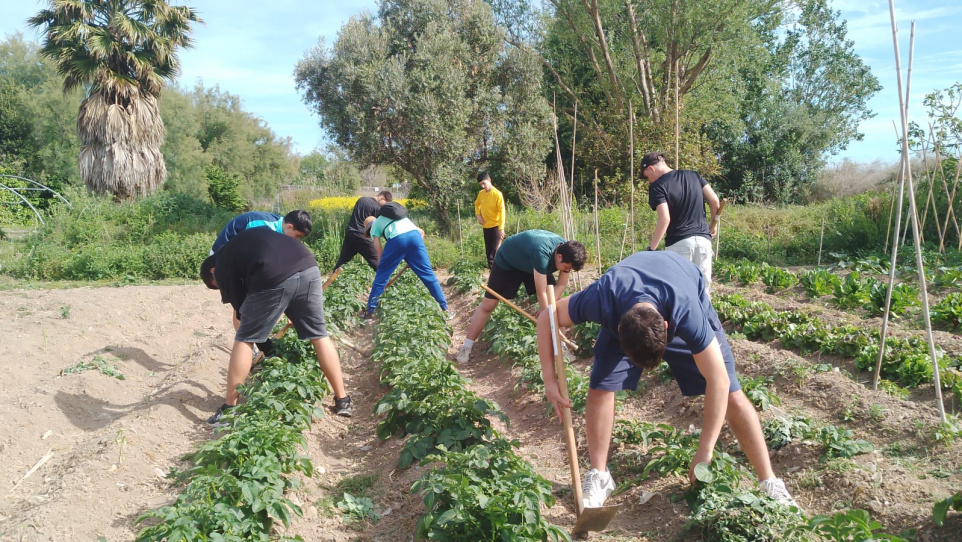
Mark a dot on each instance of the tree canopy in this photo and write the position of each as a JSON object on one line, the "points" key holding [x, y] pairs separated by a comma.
{"points": [[431, 87]]}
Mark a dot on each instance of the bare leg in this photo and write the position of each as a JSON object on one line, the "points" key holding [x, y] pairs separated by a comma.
{"points": [[330, 365], [744, 423], [237, 371], [599, 423], [480, 318]]}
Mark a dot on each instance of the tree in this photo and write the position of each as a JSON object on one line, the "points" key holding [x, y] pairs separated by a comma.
{"points": [[123, 50], [430, 87], [18, 146], [803, 101]]}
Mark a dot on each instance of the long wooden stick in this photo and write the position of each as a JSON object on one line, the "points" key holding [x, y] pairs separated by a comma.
{"points": [[390, 282], [571, 443], [331, 278], [524, 313]]}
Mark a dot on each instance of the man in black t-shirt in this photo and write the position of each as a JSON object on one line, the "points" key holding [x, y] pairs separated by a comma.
{"points": [[264, 274], [354, 240], [678, 197]]}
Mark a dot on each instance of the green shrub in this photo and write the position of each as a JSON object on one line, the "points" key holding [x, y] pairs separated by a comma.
{"points": [[222, 188]]}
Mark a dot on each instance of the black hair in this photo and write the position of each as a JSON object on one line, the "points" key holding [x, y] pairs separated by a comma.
{"points": [[301, 221], [207, 272], [483, 175], [574, 253], [642, 334], [386, 194]]}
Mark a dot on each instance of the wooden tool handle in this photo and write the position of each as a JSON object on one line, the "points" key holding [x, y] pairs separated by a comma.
{"points": [[331, 278], [390, 282], [508, 302], [559, 365]]}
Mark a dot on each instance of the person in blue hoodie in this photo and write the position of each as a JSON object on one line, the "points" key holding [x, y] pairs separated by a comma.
{"points": [[296, 224]]}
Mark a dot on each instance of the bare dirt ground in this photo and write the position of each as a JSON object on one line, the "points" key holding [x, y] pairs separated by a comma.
{"points": [[82, 455]]}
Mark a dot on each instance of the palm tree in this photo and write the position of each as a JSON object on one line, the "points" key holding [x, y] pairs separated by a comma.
{"points": [[121, 52]]}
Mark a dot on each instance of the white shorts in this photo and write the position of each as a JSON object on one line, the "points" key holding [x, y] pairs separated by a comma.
{"points": [[697, 250]]}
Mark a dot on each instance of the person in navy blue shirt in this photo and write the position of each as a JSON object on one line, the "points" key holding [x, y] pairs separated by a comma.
{"points": [[654, 306]]}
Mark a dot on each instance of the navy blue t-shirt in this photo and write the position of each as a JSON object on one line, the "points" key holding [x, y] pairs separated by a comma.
{"points": [[674, 285], [682, 190]]}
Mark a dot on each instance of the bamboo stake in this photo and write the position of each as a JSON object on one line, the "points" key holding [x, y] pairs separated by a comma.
{"points": [[597, 226], [460, 235], [631, 169], [677, 107], [944, 232], [820, 239], [915, 220], [46, 457]]}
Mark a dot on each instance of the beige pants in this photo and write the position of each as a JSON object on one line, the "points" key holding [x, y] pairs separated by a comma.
{"points": [[696, 249]]}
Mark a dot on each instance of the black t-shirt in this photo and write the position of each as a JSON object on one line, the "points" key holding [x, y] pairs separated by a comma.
{"points": [[682, 190], [364, 208], [258, 259]]}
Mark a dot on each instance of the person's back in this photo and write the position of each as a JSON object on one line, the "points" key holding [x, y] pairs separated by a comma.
{"points": [[365, 207], [241, 222], [681, 189], [258, 259], [528, 251]]}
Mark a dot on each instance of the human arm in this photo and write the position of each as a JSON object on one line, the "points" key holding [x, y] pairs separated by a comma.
{"points": [[502, 214], [377, 246], [711, 365], [559, 288], [661, 225], [713, 207], [541, 290], [546, 355], [477, 208]]}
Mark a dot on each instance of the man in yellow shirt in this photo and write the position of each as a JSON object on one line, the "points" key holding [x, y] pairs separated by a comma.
{"points": [[489, 210]]}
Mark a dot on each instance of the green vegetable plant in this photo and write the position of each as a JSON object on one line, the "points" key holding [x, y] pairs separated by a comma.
{"points": [[941, 509], [758, 392], [948, 312], [776, 278], [780, 431], [841, 443], [904, 297], [851, 292], [818, 282], [849, 525], [98, 363]]}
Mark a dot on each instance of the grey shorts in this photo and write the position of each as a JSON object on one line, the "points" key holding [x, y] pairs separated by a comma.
{"points": [[697, 250], [300, 297]]}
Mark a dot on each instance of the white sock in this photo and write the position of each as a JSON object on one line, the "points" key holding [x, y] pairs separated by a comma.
{"points": [[468, 343]]}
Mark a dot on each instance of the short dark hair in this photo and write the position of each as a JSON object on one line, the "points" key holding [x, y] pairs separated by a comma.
{"points": [[207, 272], [483, 175], [301, 221], [386, 194], [642, 335], [574, 253]]}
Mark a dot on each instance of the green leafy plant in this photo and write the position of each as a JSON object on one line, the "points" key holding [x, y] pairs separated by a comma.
{"points": [[948, 312], [222, 188], [818, 282], [358, 508], [781, 431], [849, 525], [758, 392], [904, 297], [748, 272], [98, 363], [840, 443], [941, 508], [851, 292], [776, 278]]}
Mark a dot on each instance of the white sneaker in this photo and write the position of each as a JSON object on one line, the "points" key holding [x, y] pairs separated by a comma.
{"points": [[255, 352], [775, 488], [464, 354], [596, 488]]}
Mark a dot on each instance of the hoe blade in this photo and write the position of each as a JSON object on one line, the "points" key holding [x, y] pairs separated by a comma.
{"points": [[594, 519]]}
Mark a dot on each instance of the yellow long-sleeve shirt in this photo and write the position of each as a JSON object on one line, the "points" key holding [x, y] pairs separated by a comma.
{"points": [[490, 205]]}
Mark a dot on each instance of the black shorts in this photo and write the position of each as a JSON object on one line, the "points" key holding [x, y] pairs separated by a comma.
{"points": [[507, 282]]}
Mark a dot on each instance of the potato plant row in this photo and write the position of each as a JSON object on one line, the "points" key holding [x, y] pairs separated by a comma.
{"points": [[480, 489], [906, 361], [235, 488]]}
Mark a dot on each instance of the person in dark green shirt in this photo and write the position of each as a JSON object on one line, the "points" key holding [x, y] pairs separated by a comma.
{"points": [[530, 258]]}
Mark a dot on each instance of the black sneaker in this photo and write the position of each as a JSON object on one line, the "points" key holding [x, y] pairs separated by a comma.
{"points": [[217, 419], [344, 406]]}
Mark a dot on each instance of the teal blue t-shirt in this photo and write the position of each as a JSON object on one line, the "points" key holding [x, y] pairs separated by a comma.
{"points": [[529, 251]]}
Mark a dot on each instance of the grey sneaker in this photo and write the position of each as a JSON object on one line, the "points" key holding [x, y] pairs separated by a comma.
{"points": [[597, 487], [775, 488], [217, 419], [255, 352], [464, 354], [344, 406]]}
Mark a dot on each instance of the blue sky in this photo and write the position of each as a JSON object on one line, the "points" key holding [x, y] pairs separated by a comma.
{"points": [[252, 53]]}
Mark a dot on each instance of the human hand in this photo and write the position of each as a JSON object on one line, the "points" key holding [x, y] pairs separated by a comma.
{"points": [[700, 457], [553, 393], [501, 234], [480, 219]]}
